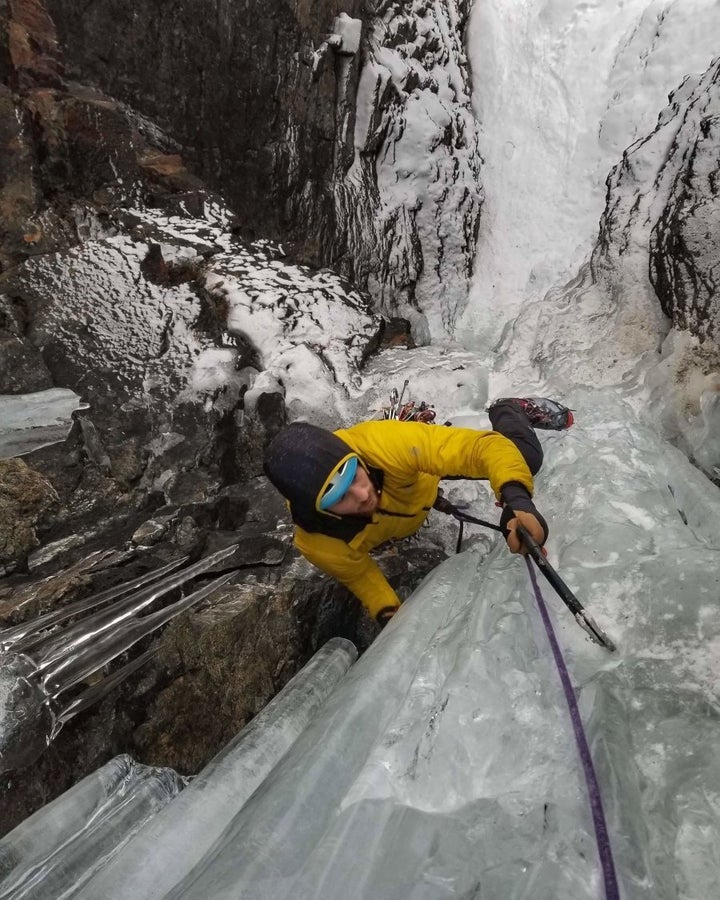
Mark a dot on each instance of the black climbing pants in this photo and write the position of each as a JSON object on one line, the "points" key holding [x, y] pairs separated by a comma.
{"points": [[509, 420]]}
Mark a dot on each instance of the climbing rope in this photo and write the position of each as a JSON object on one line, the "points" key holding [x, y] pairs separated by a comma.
{"points": [[596, 806]]}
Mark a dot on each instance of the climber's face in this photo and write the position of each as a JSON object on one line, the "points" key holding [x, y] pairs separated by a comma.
{"points": [[360, 499]]}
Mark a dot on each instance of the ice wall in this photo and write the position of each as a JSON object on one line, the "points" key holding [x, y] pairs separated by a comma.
{"points": [[561, 89], [31, 421], [444, 764], [168, 846], [76, 845], [59, 847]]}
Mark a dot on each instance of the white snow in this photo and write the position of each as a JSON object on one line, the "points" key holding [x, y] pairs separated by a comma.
{"points": [[561, 89]]}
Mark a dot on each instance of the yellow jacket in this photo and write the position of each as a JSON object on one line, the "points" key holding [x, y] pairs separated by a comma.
{"points": [[413, 457]]}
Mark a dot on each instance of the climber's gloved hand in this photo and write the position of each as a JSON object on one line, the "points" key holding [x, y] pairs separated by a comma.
{"points": [[385, 614], [518, 508], [534, 524]]}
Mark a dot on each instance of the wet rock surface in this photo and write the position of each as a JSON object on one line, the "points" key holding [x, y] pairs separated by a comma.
{"points": [[26, 497], [235, 86]]}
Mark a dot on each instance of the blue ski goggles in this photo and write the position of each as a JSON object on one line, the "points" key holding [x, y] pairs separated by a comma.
{"points": [[338, 483]]}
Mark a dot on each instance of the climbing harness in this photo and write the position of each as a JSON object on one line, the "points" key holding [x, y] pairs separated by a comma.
{"points": [[598, 814]]}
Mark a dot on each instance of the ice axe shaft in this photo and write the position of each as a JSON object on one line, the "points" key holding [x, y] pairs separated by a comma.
{"points": [[584, 620]]}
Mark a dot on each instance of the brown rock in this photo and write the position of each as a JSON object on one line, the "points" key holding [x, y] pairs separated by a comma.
{"points": [[32, 44], [25, 498], [234, 657]]}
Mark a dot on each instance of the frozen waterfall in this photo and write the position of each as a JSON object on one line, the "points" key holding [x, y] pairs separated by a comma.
{"points": [[443, 764]]}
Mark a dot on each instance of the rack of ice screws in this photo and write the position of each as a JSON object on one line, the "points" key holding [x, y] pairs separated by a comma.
{"points": [[408, 411]]}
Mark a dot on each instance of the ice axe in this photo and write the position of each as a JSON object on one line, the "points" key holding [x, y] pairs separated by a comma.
{"points": [[582, 617], [580, 614]]}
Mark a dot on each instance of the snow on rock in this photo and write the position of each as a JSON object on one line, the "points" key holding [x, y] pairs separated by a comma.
{"points": [[95, 313], [410, 203], [308, 330], [134, 310], [663, 200], [647, 303], [561, 89]]}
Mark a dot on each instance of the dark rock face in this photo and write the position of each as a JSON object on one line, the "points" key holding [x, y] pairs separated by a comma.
{"points": [[213, 669], [25, 498], [22, 368], [123, 279], [234, 84], [684, 264], [141, 332], [304, 142]]}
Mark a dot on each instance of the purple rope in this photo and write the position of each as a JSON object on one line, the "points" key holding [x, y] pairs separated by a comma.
{"points": [[601, 832]]}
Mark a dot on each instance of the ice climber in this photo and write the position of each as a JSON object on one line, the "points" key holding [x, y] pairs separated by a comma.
{"points": [[353, 489]]}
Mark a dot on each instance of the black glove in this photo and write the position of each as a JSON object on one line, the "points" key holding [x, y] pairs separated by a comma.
{"points": [[516, 498]]}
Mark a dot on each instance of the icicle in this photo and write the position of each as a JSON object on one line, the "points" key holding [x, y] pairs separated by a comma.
{"points": [[26, 719], [25, 635], [56, 850], [30, 681], [74, 668], [101, 689], [56, 647], [177, 839]]}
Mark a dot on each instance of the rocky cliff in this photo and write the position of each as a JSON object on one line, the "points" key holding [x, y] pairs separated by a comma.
{"points": [[128, 282], [648, 299], [342, 129]]}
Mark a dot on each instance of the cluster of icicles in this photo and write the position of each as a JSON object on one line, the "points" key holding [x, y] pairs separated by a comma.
{"points": [[129, 830], [46, 665]]}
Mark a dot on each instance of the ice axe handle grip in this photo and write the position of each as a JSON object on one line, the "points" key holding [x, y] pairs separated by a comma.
{"points": [[534, 549]]}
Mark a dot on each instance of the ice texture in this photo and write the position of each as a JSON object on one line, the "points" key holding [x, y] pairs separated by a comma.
{"points": [[41, 663], [444, 765], [561, 90], [54, 851], [166, 849]]}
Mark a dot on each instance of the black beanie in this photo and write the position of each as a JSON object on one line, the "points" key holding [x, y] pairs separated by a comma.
{"points": [[298, 461]]}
